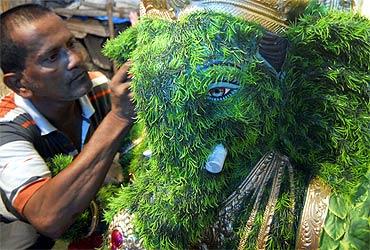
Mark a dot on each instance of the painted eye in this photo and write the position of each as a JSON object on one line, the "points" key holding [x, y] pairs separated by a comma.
{"points": [[218, 92], [221, 90]]}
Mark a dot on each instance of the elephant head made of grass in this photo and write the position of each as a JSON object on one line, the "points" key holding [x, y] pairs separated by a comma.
{"points": [[214, 93]]}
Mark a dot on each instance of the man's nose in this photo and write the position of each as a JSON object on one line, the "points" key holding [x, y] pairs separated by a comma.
{"points": [[75, 59]]}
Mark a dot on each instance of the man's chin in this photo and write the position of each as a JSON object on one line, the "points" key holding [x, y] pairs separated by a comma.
{"points": [[85, 88], [81, 92]]}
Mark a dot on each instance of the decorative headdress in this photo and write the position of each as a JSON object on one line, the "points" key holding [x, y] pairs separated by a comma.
{"points": [[272, 14]]}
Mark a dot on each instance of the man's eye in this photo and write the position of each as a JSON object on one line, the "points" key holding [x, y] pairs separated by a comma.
{"points": [[53, 57], [221, 90]]}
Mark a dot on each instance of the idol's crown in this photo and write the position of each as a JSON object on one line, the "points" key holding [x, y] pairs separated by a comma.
{"points": [[272, 14]]}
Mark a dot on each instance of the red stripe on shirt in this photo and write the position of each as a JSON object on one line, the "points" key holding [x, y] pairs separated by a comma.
{"points": [[26, 124], [7, 104], [100, 94], [26, 193]]}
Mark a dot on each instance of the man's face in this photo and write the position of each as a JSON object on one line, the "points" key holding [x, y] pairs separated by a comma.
{"points": [[53, 67]]}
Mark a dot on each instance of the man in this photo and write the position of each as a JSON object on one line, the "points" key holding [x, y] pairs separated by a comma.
{"points": [[55, 108]]}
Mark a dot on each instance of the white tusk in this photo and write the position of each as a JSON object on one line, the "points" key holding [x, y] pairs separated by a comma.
{"points": [[147, 153], [216, 159]]}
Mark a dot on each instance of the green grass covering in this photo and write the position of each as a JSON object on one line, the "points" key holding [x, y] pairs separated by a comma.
{"points": [[317, 114]]}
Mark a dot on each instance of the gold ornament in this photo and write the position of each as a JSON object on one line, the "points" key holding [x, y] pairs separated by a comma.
{"points": [[272, 14], [314, 214]]}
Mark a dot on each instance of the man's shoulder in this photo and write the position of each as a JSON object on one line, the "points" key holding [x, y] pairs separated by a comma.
{"points": [[100, 90], [11, 112], [15, 123], [98, 78]]}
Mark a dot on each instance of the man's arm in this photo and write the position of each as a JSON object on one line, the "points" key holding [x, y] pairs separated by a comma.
{"points": [[54, 207]]}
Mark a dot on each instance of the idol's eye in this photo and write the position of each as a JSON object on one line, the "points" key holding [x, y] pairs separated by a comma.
{"points": [[221, 90]]}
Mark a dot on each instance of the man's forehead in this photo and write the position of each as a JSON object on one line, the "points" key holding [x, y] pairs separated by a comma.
{"points": [[32, 34], [27, 31]]}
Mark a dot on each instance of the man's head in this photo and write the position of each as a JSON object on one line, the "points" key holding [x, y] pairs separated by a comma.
{"points": [[40, 58]]}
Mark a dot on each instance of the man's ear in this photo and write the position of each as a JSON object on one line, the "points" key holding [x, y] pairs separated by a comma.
{"points": [[14, 82]]}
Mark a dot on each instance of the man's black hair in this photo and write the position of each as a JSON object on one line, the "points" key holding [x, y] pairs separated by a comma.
{"points": [[12, 53]]}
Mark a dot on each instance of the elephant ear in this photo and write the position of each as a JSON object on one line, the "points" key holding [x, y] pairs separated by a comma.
{"points": [[273, 48], [120, 48], [329, 73]]}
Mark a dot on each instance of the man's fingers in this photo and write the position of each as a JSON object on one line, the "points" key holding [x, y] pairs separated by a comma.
{"points": [[122, 73], [124, 87]]}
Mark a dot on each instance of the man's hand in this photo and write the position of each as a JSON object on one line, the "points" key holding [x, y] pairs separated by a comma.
{"points": [[121, 95]]}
